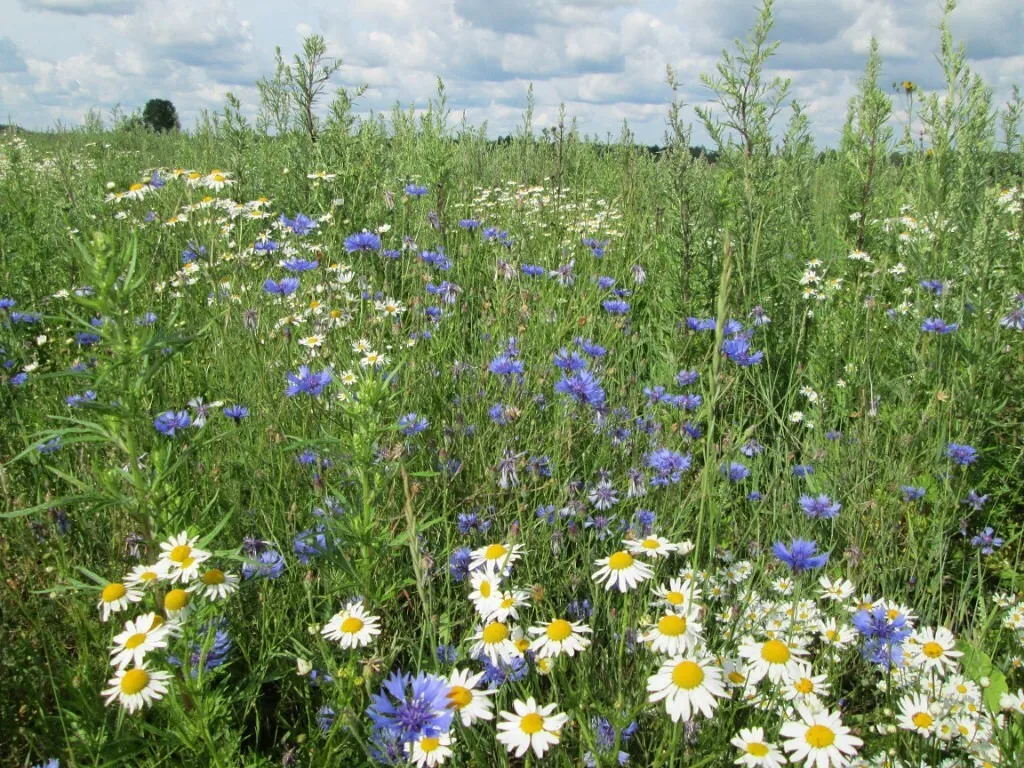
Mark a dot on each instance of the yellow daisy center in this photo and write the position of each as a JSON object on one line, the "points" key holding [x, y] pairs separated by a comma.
{"points": [[651, 544], [175, 600], [135, 640], [675, 598], [932, 650], [672, 625], [508, 602], [136, 187], [113, 592], [620, 561], [495, 552], [687, 675], [558, 630], [892, 614], [430, 743], [180, 553], [736, 678], [495, 632], [820, 736], [148, 576], [351, 625], [804, 686], [213, 577], [157, 621], [757, 748], [522, 645], [775, 652], [531, 723], [134, 681], [459, 697], [832, 635], [923, 720], [485, 589]]}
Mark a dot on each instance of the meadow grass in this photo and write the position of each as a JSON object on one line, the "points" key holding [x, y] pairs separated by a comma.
{"points": [[569, 349]]}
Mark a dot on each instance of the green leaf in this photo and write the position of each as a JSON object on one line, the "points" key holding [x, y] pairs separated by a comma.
{"points": [[977, 665]]}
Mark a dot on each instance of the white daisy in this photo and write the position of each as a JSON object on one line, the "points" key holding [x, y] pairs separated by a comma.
{"points": [[352, 626], [819, 739], [839, 590], [688, 685], [145, 575], [215, 584], [494, 640], [531, 726], [933, 650], [181, 558], [622, 571], [137, 687], [140, 636], [115, 597], [486, 592], [429, 751], [507, 604], [559, 637], [916, 715], [678, 595], [756, 751], [673, 633], [176, 603], [804, 684], [466, 699], [652, 546], [497, 556], [772, 658]]}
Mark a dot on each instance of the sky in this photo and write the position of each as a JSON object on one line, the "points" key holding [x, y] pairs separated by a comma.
{"points": [[604, 59]]}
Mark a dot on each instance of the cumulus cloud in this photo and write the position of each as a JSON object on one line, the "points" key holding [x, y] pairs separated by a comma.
{"points": [[604, 59]]}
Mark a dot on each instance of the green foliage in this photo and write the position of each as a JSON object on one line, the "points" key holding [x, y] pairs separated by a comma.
{"points": [[160, 115]]}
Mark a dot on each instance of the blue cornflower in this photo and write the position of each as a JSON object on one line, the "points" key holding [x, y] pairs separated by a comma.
{"points": [[933, 286], [737, 350], [458, 563], [800, 556], [755, 496], [603, 495], [615, 306], [325, 717], [687, 402], [498, 414], [883, 635], [507, 367], [362, 241], [53, 762], [306, 382], [87, 338], [50, 446], [169, 422], [300, 265], [6, 303], [412, 424], [208, 655], [961, 454], [583, 387], [974, 500], [446, 654], [596, 246], [192, 252], [236, 412], [570, 361], [412, 707], [532, 270], [591, 348], [605, 283], [26, 318], [832, 435], [693, 431], [470, 522], [309, 543], [563, 274], [803, 470], [546, 513], [446, 291], [579, 610], [269, 563], [819, 507], [496, 675], [605, 736], [735, 471], [645, 520], [912, 492], [77, 400], [668, 465], [539, 466], [415, 191], [937, 325], [146, 319], [307, 458], [987, 541], [732, 327], [265, 246], [686, 378], [697, 324], [300, 225], [760, 316], [469, 224], [752, 448], [285, 287]]}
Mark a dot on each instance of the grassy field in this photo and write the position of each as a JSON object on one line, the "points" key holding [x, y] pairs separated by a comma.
{"points": [[407, 446]]}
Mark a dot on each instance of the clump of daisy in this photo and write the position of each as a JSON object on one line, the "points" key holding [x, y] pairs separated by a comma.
{"points": [[180, 558], [622, 571], [352, 626], [531, 726], [137, 687], [689, 685], [559, 637], [818, 738]]}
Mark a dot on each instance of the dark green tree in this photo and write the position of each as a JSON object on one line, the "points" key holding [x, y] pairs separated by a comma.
{"points": [[160, 115]]}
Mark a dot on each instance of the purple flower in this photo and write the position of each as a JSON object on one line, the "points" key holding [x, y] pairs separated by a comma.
{"points": [[236, 413], [415, 191], [803, 470], [269, 563], [300, 225], [987, 541], [697, 324], [300, 265], [933, 286], [912, 493], [583, 387], [974, 500], [686, 378], [306, 382], [76, 401], [469, 224], [738, 351], [1014, 319], [169, 422], [800, 556], [507, 367], [882, 634], [412, 424], [458, 563], [532, 270], [963, 455], [412, 707], [615, 306], [668, 466], [819, 507], [735, 471], [936, 325], [362, 241], [286, 286]]}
